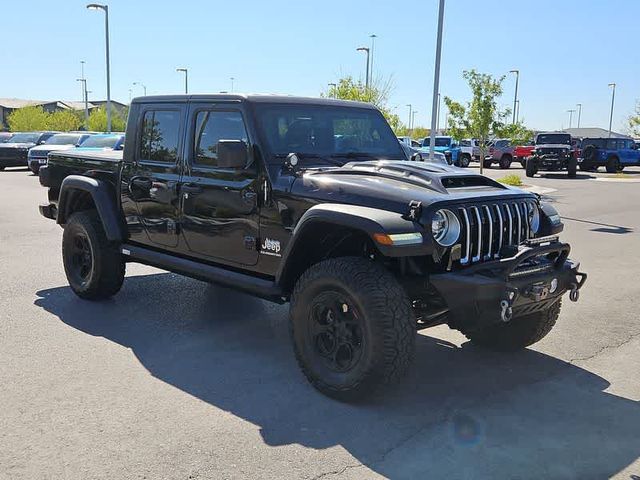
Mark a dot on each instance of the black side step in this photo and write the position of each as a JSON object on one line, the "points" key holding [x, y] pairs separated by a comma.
{"points": [[256, 286]]}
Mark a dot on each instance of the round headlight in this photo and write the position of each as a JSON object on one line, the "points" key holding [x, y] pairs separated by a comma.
{"points": [[534, 218], [445, 227]]}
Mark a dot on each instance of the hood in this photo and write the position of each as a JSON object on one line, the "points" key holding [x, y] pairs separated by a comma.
{"points": [[44, 149], [391, 185], [16, 145], [435, 149]]}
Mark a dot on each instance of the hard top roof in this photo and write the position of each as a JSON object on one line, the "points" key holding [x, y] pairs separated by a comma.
{"points": [[252, 98]]}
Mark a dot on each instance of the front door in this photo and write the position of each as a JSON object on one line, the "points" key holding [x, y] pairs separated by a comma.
{"points": [[152, 179], [220, 215]]}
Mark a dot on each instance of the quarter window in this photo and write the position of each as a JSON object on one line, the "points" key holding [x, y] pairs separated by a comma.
{"points": [[213, 126], [159, 140]]}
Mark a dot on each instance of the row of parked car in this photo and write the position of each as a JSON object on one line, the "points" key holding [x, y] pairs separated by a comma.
{"points": [[31, 149], [549, 151]]}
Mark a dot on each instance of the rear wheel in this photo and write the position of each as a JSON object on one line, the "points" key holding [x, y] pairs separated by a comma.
{"points": [[572, 167], [519, 332], [352, 326], [487, 163], [613, 164], [530, 167], [94, 266], [505, 161]]}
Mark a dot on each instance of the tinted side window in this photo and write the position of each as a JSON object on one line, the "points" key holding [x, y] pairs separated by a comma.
{"points": [[159, 138], [213, 126]]}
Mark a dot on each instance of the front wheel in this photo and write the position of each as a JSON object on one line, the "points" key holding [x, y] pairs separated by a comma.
{"points": [[352, 326], [505, 162], [519, 332], [487, 163], [464, 161], [94, 266], [613, 165], [530, 167], [572, 167]]}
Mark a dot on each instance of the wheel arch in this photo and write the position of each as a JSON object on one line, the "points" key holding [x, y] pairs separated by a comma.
{"points": [[79, 193]]}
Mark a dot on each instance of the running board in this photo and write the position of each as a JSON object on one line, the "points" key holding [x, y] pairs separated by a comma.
{"points": [[256, 286]]}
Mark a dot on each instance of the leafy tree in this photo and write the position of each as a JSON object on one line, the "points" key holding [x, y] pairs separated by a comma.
{"points": [[64, 121], [98, 120], [634, 121], [415, 132], [481, 116], [517, 133], [28, 119]]}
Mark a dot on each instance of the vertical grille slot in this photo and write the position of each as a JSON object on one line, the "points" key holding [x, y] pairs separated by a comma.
{"points": [[487, 228]]}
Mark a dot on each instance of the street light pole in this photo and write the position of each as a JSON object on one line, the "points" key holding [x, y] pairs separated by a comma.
{"points": [[232, 79], [373, 39], [105, 9], [186, 78], [84, 99], [144, 87], [413, 118], [518, 110], [410, 113], [438, 117], [436, 81], [367, 50], [613, 98], [515, 97], [579, 105], [570, 116]]}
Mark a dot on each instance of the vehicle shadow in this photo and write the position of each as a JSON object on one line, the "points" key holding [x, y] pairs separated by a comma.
{"points": [[462, 412], [603, 227], [563, 176]]}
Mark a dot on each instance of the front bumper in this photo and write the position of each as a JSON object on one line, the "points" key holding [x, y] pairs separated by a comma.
{"points": [[532, 279], [36, 163]]}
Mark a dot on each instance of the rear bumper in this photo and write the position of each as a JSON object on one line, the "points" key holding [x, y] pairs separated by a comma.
{"points": [[533, 279]]}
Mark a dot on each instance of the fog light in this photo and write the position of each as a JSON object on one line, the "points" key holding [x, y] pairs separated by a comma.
{"points": [[554, 285]]}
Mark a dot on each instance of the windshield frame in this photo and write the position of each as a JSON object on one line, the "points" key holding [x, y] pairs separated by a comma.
{"points": [[34, 136], [542, 135], [272, 157]]}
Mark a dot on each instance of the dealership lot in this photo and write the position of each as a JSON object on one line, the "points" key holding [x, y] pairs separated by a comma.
{"points": [[174, 378]]}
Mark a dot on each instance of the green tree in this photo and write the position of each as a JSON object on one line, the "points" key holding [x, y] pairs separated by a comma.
{"points": [[28, 119], [98, 120], [517, 133], [634, 121], [481, 116], [64, 121]]}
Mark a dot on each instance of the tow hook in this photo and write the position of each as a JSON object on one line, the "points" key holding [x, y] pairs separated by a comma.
{"points": [[506, 311], [574, 294]]}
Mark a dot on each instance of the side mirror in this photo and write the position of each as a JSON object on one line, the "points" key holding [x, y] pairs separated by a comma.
{"points": [[232, 154], [41, 142], [417, 157]]}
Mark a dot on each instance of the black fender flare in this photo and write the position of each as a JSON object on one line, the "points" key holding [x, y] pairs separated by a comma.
{"points": [[364, 219], [103, 198]]}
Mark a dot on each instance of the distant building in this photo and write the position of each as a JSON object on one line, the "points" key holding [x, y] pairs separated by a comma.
{"points": [[594, 132], [8, 105]]}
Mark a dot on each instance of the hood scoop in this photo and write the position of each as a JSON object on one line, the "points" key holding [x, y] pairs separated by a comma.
{"points": [[439, 178]]}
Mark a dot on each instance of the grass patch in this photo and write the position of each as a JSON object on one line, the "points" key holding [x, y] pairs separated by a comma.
{"points": [[513, 180]]}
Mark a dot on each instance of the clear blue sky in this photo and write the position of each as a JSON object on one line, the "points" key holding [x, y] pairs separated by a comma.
{"points": [[567, 50]]}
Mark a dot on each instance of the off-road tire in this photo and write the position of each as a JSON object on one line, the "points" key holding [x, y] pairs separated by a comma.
{"points": [[107, 269], [519, 332], [530, 167], [613, 164], [572, 167], [464, 160], [505, 162], [389, 326], [487, 163]]}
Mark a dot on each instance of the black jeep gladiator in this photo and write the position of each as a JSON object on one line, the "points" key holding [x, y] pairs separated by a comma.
{"points": [[552, 152], [313, 202]]}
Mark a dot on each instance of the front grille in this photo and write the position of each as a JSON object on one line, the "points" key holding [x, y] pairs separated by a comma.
{"points": [[551, 151], [486, 229], [11, 153]]}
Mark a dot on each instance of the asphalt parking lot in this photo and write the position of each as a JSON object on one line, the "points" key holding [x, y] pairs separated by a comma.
{"points": [[177, 379]]}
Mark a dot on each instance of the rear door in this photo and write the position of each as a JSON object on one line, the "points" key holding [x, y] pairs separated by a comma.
{"points": [[152, 180], [220, 215]]}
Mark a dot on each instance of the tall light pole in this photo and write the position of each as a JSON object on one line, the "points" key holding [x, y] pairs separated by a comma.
{"points": [[571, 112], [579, 105], [518, 110], [144, 87], [515, 96], [373, 40], [365, 49], [438, 117], [84, 99], [410, 117], [186, 78], [436, 81], [413, 118], [105, 9], [232, 80], [613, 98]]}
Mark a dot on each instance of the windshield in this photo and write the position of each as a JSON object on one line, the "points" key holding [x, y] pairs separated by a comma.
{"points": [[63, 140], [327, 131], [551, 138], [25, 138], [440, 142], [100, 141]]}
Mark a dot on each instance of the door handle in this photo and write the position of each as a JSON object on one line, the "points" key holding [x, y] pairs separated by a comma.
{"points": [[191, 189]]}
